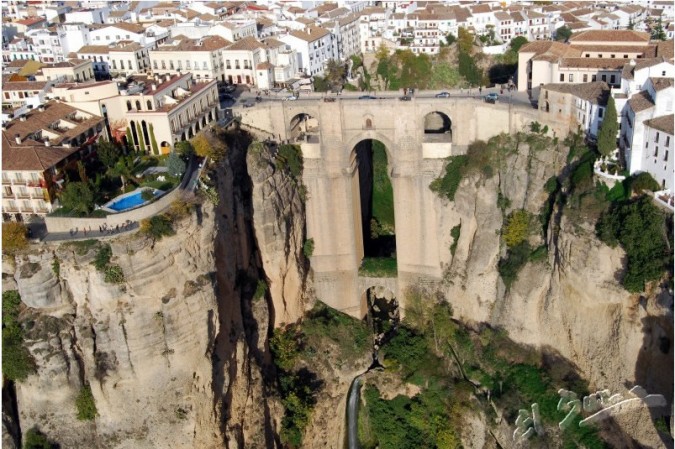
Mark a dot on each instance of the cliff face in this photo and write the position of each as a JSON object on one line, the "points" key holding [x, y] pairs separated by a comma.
{"points": [[176, 355], [571, 303], [143, 346], [279, 221]]}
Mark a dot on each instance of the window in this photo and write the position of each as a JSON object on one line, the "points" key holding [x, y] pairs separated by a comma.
{"points": [[594, 78], [663, 73], [612, 79], [667, 141], [154, 65], [600, 55], [227, 64], [205, 65], [612, 56], [656, 151], [601, 112], [571, 77], [625, 56], [656, 139], [585, 78], [604, 78], [665, 156], [149, 103], [562, 77]]}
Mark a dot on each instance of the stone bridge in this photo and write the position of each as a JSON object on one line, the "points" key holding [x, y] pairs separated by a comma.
{"points": [[418, 136]]}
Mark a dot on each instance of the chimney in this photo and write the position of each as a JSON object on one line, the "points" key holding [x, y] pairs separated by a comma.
{"points": [[17, 138], [41, 108], [48, 143], [154, 86], [22, 118], [167, 78]]}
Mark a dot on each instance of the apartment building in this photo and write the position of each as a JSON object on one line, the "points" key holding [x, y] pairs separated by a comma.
{"points": [[582, 104], [77, 70], [242, 59], [314, 47], [123, 58], [202, 57], [658, 160], [36, 150]]}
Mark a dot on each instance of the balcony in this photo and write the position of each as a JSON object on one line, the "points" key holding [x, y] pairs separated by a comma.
{"points": [[6, 181], [22, 195]]}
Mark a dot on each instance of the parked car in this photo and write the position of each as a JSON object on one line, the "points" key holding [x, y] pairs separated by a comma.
{"points": [[248, 104], [405, 98], [491, 97], [443, 95], [230, 88], [291, 98], [367, 97], [329, 99]]}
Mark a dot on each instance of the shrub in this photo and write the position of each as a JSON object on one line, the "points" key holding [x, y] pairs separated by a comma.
{"points": [[260, 289], [102, 258], [153, 141], [308, 248], [351, 335], [640, 227], [608, 129], [175, 165], [56, 267], [14, 237], [454, 233], [157, 226], [208, 147], [516, 228], [179, 209], [285, 346], [516, 258], [446, 186], [114, 274], [17, 362], [643, 182], [289, 158], [78, 198], [86, 406], [37, 440], [185, 149]]}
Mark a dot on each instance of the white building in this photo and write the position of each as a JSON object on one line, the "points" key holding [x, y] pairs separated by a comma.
{"points": [[655, 100], [88, 15], [242, 59], [658, 151], [202, 57], [314, 48]]}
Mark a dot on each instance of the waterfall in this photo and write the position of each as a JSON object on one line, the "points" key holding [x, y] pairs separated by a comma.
{"points": [[353, 401]]}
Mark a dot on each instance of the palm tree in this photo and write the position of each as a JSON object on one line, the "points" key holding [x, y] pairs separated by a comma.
{"points": [[124, 168]]}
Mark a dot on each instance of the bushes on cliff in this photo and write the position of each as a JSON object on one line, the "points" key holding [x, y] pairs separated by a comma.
{"points": [[37, 440], [86, 406], [645, 234], [157, 226], [113, 274], [17, 363], [13, 237], [289, 158]]}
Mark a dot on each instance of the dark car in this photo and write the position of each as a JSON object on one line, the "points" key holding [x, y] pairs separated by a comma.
{"points": [[443, 95], [229, 88], [329, 99], [248, 104], [491, 97], [367, 97], [405, 98]]}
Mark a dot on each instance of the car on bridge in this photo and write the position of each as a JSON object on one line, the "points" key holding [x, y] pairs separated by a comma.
{"points": [[367, 97], [492, 97], [291, 98], [443, 95], [405, 98]]}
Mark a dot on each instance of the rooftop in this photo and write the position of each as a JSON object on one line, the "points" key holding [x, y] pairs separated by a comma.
{"points": [[610, 36], [663, 123], [641, 101], [31, 155], [596, 93]]}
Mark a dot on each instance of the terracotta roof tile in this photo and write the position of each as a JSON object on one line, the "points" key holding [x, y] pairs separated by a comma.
{"points": [[610, 36], [249, 43], [596, 93], [663, 123], [641, 101]]}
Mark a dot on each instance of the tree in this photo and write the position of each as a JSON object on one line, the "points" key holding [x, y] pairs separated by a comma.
{"points": [[175, 165], [130, 138], [658, 33], [608, 129], [153, 141], [108, 153], [642, 182], [517, 42], [631, 24], [124, 168], [157, 226], [185, 149], [469, 70], [335, 73], [563, 34], [141, 139], [450, 38], [465, 41], [205, 147], [13, 237], [320, 84], [78, 197], [517, 228]]}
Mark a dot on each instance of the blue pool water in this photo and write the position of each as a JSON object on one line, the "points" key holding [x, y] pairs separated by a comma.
{"points": [[128, 202]]}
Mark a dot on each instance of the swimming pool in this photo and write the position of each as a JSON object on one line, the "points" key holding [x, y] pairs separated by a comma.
{"points": [[129, 201]]}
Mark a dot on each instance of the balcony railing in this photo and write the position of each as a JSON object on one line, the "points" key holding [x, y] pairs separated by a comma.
{"points": [[6, 181], [25, 195]]}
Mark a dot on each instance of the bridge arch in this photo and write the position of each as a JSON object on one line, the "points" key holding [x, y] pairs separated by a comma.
{"points": [[385, 290], [302, 123], [372, 134]]}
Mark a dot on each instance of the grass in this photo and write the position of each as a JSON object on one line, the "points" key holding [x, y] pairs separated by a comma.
{"points": [[383, 192], [82, 247], [86, 406], [378, 267], [351, 335]]}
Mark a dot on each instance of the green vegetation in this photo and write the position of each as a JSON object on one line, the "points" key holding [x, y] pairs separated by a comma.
{"points": [[82, 247], [608, 130], [453, 367], [454, 233], [78, 197], [14, 238], [642, 182], [469, 70], [517, 228], [147, 195], [563, 34], [383, 192], [17, 362], [516, 257], [175, 165], [289, 158], [56, 267], [645, 234], [86, 406], [185, 149], [323, 323], [141, 138], [113, 274], [308, 248], [657, 31], [157, 226], [446, 186], [378, 267], [153, 141], [37, 440], [205, 145], [260, 289]]}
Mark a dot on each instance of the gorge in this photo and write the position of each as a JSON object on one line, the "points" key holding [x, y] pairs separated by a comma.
{"points": [[217, 332]]}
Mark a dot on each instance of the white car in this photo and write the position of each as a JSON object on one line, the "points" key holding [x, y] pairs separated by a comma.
{"points": [[291, 98]]}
